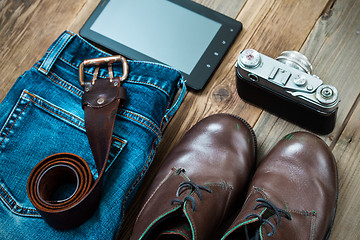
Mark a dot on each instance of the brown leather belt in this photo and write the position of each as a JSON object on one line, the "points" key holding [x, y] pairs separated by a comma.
{"points": [[100, 102]]}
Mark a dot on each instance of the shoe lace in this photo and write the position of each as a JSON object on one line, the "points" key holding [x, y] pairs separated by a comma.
{"points": [[194, 188], [263, 203]]}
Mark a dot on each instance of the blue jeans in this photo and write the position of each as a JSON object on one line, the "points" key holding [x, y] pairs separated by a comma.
{"points": [[42, 115]]}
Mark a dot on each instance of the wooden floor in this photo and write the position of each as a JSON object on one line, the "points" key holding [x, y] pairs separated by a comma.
{"points": [[326, 31]]}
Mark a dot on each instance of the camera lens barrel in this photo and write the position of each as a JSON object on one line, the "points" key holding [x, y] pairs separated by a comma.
{"points": [[296, 60]]}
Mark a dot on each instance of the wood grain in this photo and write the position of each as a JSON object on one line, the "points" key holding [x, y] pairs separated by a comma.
{"points": [[27, 28], [347, 154], [229, 8]]}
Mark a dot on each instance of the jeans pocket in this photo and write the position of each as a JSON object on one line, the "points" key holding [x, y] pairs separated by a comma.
{"points": [[34, 130]]}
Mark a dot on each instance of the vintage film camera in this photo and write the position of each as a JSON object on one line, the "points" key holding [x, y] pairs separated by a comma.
{"points": [[287, 88]]}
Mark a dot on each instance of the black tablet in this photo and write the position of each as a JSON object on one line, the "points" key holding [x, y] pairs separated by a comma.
{"points": [[179, 33]]}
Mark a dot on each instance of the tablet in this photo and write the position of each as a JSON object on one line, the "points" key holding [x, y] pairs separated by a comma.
{"points": [[178, 33]]}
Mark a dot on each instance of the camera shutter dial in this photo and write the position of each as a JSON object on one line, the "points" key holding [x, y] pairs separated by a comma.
{"points": [[326, 94], [249, 58]]}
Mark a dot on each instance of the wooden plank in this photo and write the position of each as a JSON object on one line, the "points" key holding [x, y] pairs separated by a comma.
{"points": [[334, 49], [229, 8], [83, 15], [27, 29], [347, 154]]}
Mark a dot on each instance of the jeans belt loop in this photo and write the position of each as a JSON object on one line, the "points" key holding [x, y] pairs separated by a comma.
{"points": [[55, 50]]}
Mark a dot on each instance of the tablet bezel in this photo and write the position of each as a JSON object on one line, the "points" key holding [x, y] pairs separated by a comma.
{"points": [[207, 63]]}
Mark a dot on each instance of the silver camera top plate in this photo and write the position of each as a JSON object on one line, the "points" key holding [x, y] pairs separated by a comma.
{"points": [[289, 75]]}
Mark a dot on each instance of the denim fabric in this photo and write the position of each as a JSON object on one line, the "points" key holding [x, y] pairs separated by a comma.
{"points": [[42, 115]]}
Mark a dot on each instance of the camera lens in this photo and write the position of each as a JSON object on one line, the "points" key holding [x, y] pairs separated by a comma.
{"points": [[296, 60]]}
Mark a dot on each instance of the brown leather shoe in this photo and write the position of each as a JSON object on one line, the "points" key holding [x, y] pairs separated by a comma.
{"points": [[200, 182], [293, 193]]}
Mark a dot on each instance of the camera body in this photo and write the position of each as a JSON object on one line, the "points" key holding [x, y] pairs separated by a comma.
{"points": [[285, 86]]}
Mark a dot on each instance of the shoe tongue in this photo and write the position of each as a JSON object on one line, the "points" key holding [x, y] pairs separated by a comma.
{"points": [[176, 230]]}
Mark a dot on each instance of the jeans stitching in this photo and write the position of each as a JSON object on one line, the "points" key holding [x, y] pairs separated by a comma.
{"points": [[12, 205], [69, 84], [158, 64], [48, 55], [158, 136], [94, 48], [142, 117], [147, 161], [146, 83], [15, 204], [164, 114], [77, 68], [81, 120], [60, 84], [139, 177], [6, 199], [58, 52], [108, 54], [15, 122], [156, 132]]}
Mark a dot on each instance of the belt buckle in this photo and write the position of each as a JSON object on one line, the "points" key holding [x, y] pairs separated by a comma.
{"points": [[102, 61]]}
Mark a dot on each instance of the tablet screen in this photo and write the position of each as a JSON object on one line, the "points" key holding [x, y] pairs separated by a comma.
{"points": [[159, 29]]}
